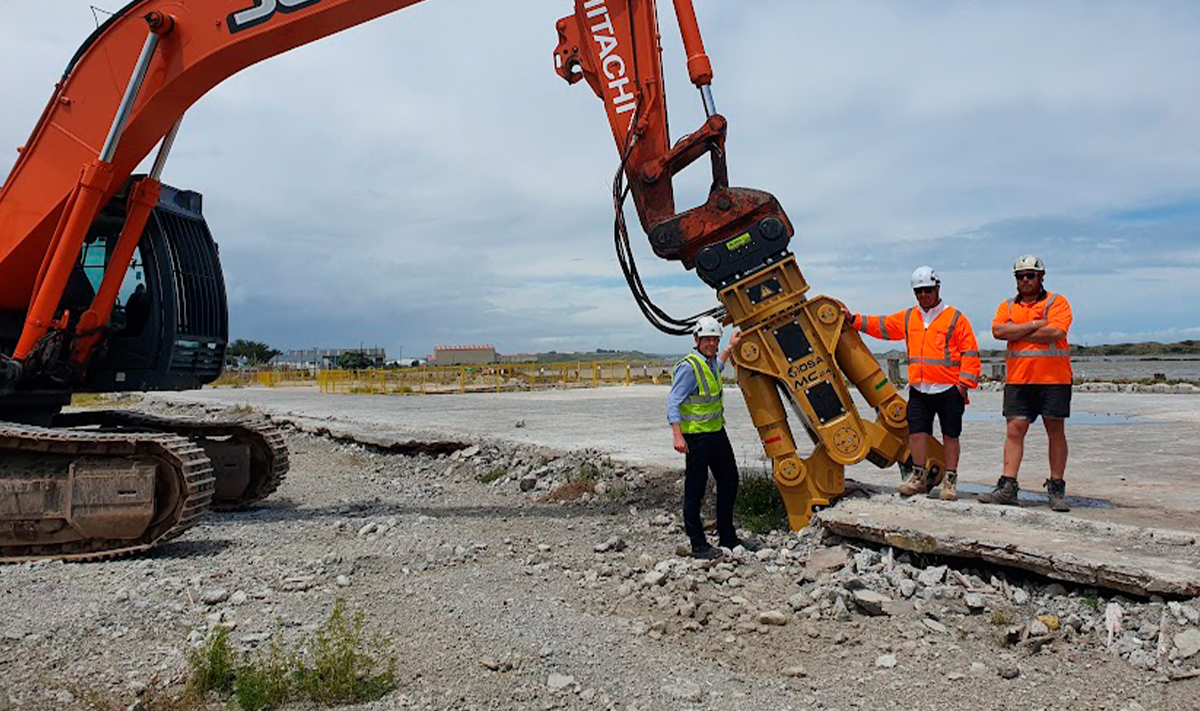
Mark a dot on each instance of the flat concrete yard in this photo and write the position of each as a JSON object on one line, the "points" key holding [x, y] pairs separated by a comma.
{"points": [[1132, 455]]}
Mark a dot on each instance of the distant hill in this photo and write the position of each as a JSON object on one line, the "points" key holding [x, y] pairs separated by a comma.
{"points": [[598, 355], [1148, 348]]}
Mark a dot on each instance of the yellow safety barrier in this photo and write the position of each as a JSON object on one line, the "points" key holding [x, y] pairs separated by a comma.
{"points": [[280, 378], [267, 378], [497, 377]]}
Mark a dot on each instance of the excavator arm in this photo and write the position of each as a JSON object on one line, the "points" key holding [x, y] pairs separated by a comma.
{"points": [[794, 348]]}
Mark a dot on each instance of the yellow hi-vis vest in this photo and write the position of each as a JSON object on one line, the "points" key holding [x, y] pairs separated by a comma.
{"points": [[702, 411]]}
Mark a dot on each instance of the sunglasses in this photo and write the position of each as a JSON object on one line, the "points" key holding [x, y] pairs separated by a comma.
{"points": [[924, 289], [1030, 276]]}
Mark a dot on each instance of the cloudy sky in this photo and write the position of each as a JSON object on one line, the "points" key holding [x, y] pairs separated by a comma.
{"points": [[428, 179]]}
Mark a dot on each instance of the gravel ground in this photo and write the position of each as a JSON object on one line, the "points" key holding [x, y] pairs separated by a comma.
{"points": [[501, 596]]}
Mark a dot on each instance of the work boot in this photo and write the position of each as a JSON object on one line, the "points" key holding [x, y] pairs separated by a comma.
{"points": [[707, 552], [749, 544], [950, 486], [1006, 492], [916, 483], [1057, 488], [933, 477]]}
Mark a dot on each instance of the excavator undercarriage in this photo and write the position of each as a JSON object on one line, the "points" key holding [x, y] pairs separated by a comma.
{"points": [[93, 484], [94, 495]]}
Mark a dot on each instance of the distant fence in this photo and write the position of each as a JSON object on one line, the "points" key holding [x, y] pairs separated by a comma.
{"points": [[269, 378], [491, 378], [540, 376]]}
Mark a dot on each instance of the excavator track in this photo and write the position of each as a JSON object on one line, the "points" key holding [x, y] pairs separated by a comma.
{"points": [[250, 457], [106, 483]]}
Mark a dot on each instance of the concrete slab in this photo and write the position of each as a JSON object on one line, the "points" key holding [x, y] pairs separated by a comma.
{"points": [[1132, 559], [1132, 455]]}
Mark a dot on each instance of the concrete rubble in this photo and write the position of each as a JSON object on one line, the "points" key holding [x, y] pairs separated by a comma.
{"points": [[540, 578], [1137, 560], [845, 580]]}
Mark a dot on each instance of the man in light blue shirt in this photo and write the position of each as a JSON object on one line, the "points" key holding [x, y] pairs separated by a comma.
{"points": [[695, 411]]}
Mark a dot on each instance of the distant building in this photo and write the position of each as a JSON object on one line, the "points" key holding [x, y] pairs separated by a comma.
{"points": [[326, 358], [518, 358], [463, 355], [405, 363]]}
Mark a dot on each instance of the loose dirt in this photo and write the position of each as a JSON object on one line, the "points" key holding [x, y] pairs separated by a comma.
{"points": [[498, 596]]}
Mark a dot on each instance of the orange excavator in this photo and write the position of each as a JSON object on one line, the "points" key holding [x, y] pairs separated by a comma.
{"points": [[110, 281]]}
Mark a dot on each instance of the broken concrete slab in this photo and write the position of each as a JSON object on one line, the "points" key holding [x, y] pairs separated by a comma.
{"points": [[823, 560], [1132, 559], [871, 602], [381, 438]]}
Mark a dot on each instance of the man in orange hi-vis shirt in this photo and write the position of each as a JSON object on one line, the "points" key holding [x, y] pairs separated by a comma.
{"points": [[943, 364], [1038, 378]]}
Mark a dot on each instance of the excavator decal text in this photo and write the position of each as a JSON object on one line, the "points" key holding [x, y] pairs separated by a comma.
{"points": [[613, 64], [807, 372], [261, 11]]}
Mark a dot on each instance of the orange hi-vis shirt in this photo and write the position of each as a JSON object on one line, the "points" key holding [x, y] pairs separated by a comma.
{"points": [[1027, 362], [945, 354]]}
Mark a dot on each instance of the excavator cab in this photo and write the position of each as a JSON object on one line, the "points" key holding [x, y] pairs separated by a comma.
{"points": [[170, 326]]}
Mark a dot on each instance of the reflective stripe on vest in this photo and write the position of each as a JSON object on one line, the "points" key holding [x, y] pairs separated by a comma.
{"points": [[703, 410], [1051, 349], [916, 359]]}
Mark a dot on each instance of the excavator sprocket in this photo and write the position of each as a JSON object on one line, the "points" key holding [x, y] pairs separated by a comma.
{"points": [[80, 496], [250, 457]]}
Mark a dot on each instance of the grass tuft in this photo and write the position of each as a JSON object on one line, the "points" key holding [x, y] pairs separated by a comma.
{"points": [[213, 666], [265, 683], [759, 506], [587, 472], [338, 664], [493, 475], [345, 663]]}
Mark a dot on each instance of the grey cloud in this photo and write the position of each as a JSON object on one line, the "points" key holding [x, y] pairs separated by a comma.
{"points": [[427, 178]]}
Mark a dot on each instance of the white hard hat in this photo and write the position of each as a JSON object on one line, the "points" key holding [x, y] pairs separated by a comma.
{"points": [[707, 326], [925, 276], [1029, 263]]}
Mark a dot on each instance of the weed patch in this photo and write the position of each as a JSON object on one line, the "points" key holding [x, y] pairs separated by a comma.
{"points": [[493, 475], [265, 683], [759, 506], [212, 665], [338, 664], [345, 663], [587, 472]]}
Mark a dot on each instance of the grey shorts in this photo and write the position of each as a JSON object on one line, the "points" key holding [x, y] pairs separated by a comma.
{"points": [[1026, 402]]}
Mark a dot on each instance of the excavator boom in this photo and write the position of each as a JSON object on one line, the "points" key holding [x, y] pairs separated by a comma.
{"points": [[201, 45]]}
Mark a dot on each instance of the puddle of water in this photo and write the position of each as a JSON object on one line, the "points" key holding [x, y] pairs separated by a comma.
{"points": [[1033, 497], [1076, 418]]}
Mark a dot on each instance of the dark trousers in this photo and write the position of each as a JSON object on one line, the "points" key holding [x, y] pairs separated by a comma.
{"points": [[709, 450]]}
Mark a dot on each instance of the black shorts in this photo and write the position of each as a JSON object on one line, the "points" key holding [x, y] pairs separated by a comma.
{"points": [[1028, 401], [948, 405]]}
